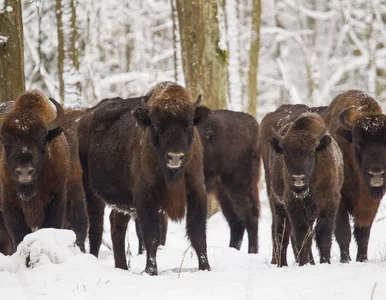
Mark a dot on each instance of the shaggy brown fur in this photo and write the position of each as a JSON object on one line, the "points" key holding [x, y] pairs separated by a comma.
{"points": [[140, 174], [30, 145], [6, 245], [298, 147], [356, 122]]}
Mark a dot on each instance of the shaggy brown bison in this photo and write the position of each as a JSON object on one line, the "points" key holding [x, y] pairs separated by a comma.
{"points": [[356, 122], [6, 246], [304, 168], [34, 166], [76, 214], [232, 169], [146, 161]]}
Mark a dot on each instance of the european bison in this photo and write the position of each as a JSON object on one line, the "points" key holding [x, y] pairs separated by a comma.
{"points": [[231, 169], [34, 166], [304, 168], [356, 122], [76, 214], [146, 161]]}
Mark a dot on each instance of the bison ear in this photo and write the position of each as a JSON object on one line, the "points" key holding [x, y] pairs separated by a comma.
{"points": [[141, 114], [200, 114], [275, 143], [324, 142], [54, 133]]}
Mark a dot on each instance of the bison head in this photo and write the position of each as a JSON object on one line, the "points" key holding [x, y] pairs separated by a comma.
{"points": [[299, 149], [367, 135], [24, 136], [171, 123]]}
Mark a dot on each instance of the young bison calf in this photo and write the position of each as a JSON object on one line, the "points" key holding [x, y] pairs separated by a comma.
{"points": [[306, 171]]}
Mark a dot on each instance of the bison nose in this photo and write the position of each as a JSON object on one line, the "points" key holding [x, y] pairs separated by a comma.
{"points": [[376, 172], [376, 179], [25, 174], [298, 180], [174, 159]]}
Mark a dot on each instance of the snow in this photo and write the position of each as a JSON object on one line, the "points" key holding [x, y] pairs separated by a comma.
{"points": [[61, 272]]}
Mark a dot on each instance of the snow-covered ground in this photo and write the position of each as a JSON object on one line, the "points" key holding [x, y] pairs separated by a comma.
{"points": [[64, 273]]}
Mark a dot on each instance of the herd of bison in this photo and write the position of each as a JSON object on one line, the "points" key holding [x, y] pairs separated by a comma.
{"points": [[156, 156]]}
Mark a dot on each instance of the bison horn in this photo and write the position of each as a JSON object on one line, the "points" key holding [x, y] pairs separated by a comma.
{"points": [[197, 103], [144, 103], [276, 134], [342, 119], [59, 116]]}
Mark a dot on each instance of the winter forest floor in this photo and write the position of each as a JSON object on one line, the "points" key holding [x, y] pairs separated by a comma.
{"points": [[234, 275]]}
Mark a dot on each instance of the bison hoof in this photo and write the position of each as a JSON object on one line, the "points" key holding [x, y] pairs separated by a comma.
{"points": [[204, 267], [362, 258], [324, 260], [152, 271], [345, 259]]}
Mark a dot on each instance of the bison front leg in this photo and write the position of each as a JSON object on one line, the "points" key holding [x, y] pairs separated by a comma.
{"points": [[15, 224], [149, 219], [118, 222], [281, 235], [55, 212], [324, 232], [196, 225], [77, 213], [343, 233], [362, 236]]}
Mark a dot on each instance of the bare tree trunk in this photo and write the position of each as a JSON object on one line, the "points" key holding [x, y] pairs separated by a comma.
{"points": [[68, 64], [254, 58], [175, 55], [204, 57], [60, 47], [12, 80]]}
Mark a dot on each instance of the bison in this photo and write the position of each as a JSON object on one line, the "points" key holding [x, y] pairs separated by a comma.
{"points": [[76, 214], [34, 166], [231, 169], [146, 161], [304, 171], [357, 123]]}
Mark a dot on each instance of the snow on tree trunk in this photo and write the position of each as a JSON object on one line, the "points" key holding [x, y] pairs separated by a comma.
{"points": [[204, 54], [12, 81]]}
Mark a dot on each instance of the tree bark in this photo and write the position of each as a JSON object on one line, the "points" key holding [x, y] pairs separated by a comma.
{"points": [[12, 79], [254, 58], [59, 24], [204, 57], [68, 64]]}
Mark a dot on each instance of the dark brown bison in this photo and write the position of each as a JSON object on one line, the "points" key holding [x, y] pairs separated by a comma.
{"points": [[6, 245], [146, 161], [304, 168], [34, 166], [356, 122], [231, 169]]}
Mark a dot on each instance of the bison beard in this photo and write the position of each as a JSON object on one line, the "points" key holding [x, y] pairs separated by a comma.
{"points": [[26, 191]]}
